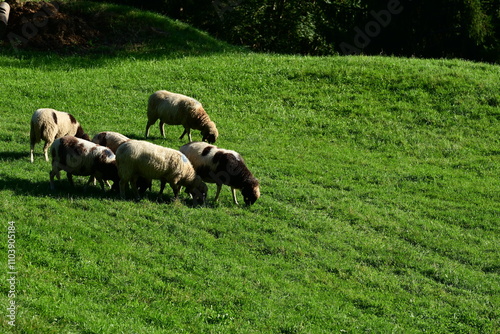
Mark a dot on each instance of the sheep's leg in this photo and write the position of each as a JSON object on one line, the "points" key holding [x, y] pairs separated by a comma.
{"points": [[123, 187], [52, 173], [162, 187], [70, 179], [188, 132], [183, 133], [148, 125], [233, 191], [32, 149], [32, 141], [176, 188], [219, 187], [133, 184], [162, 129], [93, 179], [46, 149]]}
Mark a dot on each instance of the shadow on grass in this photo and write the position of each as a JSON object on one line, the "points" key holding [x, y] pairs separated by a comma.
{"points": [[14, 156], [26, 187]]}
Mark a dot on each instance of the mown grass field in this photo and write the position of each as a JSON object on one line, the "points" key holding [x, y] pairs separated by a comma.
{"points": [[379, 212]]}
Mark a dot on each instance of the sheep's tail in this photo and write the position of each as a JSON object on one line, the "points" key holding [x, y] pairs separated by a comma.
{"points": [[153, 102], [36, 132]]}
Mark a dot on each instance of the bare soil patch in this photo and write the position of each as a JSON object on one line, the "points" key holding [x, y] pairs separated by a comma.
{"points": [[48, 26]]}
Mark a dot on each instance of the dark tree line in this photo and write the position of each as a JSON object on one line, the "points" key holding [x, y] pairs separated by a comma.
{"points": [[425, 28]]}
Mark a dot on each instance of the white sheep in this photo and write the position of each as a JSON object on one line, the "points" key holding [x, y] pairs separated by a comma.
{"points": [[220, 166], [175, 109], [136, 158], [113, 140], [49, 124], [81, 157], [110, 139]]}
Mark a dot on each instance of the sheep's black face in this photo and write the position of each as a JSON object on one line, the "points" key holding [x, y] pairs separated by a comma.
{"points": [[199, 194], [210, 138], [250, 195]]}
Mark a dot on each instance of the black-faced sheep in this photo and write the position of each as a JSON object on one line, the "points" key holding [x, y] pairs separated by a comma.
{"points": [[136, 158], [177, 109], [220, 166], [81, 157], [49, 124]]}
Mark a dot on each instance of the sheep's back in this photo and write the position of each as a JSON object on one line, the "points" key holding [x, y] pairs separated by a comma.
{"points": [[58, 123], [215, 164], [172, 108], [79, 156], [152, 161], [110, 139]]}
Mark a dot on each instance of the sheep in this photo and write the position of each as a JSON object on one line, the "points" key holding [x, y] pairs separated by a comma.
{"points": [[220, 166], [49, 124], [110, 139], [81, 157], [113, 140], [175, 109], [136, 158]]}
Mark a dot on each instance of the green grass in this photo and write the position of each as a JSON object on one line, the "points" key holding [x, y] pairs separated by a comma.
{"points": [[379, 210]]}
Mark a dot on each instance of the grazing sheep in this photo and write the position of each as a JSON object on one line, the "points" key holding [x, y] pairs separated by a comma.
{"points": [[49, 124], [113, 140], [136, 158], [81, 157], [110, 139], [175, 109], [220, 166]]}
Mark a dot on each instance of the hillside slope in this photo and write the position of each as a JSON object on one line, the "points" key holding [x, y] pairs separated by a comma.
{"points": [[83, 27], [379, 210]]}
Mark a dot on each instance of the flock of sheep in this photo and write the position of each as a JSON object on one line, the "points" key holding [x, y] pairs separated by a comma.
{"points": [[111, 156]]}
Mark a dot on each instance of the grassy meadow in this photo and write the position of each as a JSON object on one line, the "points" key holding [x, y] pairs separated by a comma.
{"points": [[380, 207]]}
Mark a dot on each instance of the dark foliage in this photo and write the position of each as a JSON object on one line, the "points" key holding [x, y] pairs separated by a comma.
{"points": [[449, 28]]}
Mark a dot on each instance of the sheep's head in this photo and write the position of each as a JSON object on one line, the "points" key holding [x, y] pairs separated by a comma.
{"points": [[105, 163], [210, 133], [81, 134], [251, 192], [198, 190]]}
